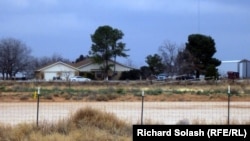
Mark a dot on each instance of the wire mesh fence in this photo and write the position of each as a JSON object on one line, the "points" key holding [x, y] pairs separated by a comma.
{"points": [[134, 112], [131, 112]]}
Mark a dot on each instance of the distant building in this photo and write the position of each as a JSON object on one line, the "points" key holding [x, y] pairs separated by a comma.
{"points": [[226, 66], [242, 67], [61, 70], [233, 75]]}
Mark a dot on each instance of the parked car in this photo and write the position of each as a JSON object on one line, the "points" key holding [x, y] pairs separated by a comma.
{"points": [[184, 77], [79, 79], [162, 77]]}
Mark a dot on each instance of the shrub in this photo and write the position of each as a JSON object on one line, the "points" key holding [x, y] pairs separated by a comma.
{"points": [[154, 91], [24, 97], [49, 97], [136, 92], [120, 91], [2, 88], [95, 118], [102, 98]]}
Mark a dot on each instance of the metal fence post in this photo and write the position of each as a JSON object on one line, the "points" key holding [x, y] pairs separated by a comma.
{"points": [[228, 105], [37, 113], [142, 101]]}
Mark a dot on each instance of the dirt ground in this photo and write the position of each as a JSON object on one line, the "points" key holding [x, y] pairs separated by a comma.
{"points": [[156, 109], [132, 112], [27, 97]]}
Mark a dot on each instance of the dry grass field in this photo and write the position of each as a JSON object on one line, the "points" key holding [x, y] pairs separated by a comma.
{"points": [[86, 124], [105, 111], [126, 91]]}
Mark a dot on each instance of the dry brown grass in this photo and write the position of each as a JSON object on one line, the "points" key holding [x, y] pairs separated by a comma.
{"points": [[126, 91], [91, 125], [86, 124]]}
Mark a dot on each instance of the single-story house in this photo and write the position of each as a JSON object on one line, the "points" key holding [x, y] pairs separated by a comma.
{"points": [[64, 71], [55, 71]]}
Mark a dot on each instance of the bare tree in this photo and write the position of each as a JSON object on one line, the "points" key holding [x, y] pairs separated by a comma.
{"points": [[184, 61], [130, 63], [43, 61], [168, 53], [14, 56]]}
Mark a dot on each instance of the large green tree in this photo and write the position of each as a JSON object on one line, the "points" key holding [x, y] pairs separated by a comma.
{"points": [[155, 64], [81, 58], [107, 45], [202, 49]]}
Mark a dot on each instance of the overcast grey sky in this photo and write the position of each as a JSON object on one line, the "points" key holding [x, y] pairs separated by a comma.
{"points": [[64, 27]]}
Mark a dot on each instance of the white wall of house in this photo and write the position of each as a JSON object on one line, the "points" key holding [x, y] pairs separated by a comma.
{"points": [[58, 70], [65, 71], [48, 76], [64, 75]]}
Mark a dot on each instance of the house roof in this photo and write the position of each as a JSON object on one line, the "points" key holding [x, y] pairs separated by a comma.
{"points": [[82, 63], [244, 60], [89, 61], [78, 65], [56, 63], [122, 65]]}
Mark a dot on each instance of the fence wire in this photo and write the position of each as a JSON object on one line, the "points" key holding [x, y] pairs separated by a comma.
{"points": [[161, 112], [153, 112]]}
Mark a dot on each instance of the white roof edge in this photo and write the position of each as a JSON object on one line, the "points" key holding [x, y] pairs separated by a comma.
{"points": [[231, 61], [58, 63]]}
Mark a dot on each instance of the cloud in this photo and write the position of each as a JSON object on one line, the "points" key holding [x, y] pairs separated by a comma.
{"points": [[177, 6], [42, 24], [14, 4], [222, 7], [143, 21], [165, 6], [139, 5], [20, 4]]}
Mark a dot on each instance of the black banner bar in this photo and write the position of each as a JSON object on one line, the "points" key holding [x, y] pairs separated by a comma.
{"points": [[201, 132]]}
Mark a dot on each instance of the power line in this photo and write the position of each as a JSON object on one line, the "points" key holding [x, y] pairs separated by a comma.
{"points": [[198, 14]]}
